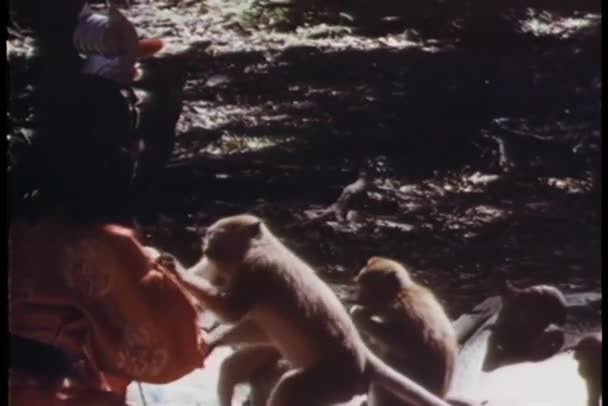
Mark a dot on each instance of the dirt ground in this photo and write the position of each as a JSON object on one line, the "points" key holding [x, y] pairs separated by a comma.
{"points": [[278, 122]]}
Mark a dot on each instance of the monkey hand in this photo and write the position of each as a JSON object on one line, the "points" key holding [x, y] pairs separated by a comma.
{"points": [[152, 252], [356, 309], [208, 344], [206, 349], [168, 262], [217, 336], [358, 312]]}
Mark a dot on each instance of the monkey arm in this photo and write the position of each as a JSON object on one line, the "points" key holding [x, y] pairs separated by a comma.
{"points": [[594, 393], [244, 332], [381, 329], [224, 305], [372, 324]]}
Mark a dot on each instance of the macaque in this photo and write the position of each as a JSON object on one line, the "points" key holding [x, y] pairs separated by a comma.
{"points": [[280, 307], [528, 326], [167, 260], [407, 327], [261, 369], [263, 380], [588, 353]]}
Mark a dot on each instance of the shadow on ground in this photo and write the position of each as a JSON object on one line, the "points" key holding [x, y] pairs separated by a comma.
{"points": [[279, 132], [485, 155]]}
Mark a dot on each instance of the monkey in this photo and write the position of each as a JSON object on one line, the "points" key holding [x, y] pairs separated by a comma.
{"points": [[588, 353], [279, 306], [407, 327], [260, 368], [263, 380], [241, 366], [167, 260], [528, 325]]}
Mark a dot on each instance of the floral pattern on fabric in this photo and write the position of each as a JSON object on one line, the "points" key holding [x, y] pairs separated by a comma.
{"points": [[142, 354], [83, 276], [95, 289]]}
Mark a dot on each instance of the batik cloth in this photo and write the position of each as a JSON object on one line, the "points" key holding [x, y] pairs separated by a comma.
{"points": [[94, 291]]}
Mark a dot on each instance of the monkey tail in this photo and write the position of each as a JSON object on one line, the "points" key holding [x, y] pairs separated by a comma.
{"points": [[398, 384]]}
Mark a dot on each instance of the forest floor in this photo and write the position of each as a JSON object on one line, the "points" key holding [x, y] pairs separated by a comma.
{"points": [[278, 122]]}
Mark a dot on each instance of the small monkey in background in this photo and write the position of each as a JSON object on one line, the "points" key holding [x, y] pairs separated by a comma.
{"points": [[588, 353], [406, 325], [528, 326], [280, 307]]}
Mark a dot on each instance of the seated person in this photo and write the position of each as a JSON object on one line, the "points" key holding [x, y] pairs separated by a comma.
{"points": [[90, 310]]}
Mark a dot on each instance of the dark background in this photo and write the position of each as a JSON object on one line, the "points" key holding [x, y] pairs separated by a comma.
{"points": [[479, 125]]}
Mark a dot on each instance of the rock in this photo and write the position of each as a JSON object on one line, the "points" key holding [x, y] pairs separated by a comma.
{"points": [[195, 389], [554, 381]]}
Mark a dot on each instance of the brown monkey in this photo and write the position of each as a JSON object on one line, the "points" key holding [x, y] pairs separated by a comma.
{"points": [[407, 326], [260, 368], [588, 353], [528, 326], [279, 303], [264, 380]]}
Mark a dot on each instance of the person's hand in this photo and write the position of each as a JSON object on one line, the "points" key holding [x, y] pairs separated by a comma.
{"points": [[169, 263], [117, 384], [164, 259]]}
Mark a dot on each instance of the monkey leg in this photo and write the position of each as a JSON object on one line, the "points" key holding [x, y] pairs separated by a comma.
{"points": [[548, 343], [243, 332], [318, 386], [239, 366], [594, 392], [264, 380]]}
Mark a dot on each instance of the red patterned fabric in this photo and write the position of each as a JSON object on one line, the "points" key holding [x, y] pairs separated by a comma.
{"points": [[95, 290]]}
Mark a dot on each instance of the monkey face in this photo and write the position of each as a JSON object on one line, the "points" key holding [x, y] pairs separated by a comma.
{"points": [[226, 244], [379, 283], [588, 348]]}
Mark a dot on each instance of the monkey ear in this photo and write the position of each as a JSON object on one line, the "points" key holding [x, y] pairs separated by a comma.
{"points": [[254, 230], [509, 289], [372, 260], [392, 278]]}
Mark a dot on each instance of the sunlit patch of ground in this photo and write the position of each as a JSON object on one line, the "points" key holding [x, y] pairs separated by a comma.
{"points": [[198, 388], [230, 144], [232, 26], [541, 23], [569, 185], [554, 382]]}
